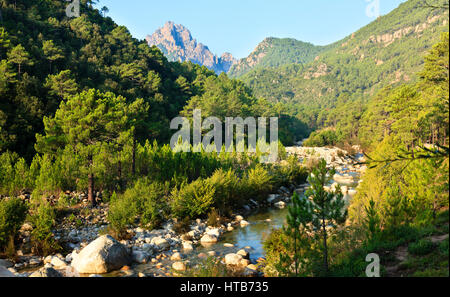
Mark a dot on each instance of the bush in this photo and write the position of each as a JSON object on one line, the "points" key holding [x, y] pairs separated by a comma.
{"points": [[258, 183], [122, 213], [421, 247], [193, 200], [43, 220], [12, 215], [228, 191]]}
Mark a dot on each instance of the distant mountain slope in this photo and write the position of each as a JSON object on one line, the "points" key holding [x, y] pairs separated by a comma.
{"points": [[275, 52], [177, 43], [387, 51]]}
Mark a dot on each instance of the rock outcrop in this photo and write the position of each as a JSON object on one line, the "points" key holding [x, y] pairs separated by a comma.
{"points": [[177, 43]]}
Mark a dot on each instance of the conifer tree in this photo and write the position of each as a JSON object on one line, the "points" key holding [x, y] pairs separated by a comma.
{"points": [[91, 123], [18, 55], [326, 207]]}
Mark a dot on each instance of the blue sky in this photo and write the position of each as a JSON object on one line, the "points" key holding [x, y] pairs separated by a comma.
{"points": [[237, 26]]}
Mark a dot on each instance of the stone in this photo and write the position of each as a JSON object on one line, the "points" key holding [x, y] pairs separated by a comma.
{"points": [[280, 204], [160, 243], [179, 266], [187, 246], [207, 238], [239, 218], [233, 259], [140, 257], [244, 254], [212, 253], [214, 232], [176, 257], [248, 272], [46, 272], [103, 255], [58, 263], [244, 223], [245, 262], [228, 245], [202, 255]]}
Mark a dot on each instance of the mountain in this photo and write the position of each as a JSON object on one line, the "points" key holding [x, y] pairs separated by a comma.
{"points": [[334, 89], [176, 42], [275, 52]]}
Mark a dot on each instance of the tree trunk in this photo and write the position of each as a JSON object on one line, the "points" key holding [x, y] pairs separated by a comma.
{"points": [[133, 162], [325, 247], [91, 196]]}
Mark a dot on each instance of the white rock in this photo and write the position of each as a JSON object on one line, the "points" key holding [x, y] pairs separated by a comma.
{"points": [[176, 257], [179, 266], [280, 204], [233, 259], [207, 238], [244, 223], [160, 243], [101, 256], [239, 218], [187, 246], [243, 253], [58, 263]]}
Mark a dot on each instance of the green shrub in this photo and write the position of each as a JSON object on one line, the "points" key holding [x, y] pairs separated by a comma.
{"points": [[12, 215], [228, 191], [193, 200], [421, 247], [43, 220], [210, 267], [258, 183], [213, 218], [122, 212]]}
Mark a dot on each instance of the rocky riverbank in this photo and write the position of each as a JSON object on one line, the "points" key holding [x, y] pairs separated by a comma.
{"points": [[161, 252]]}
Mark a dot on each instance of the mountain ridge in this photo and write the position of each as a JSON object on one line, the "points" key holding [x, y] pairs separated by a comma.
{"points": [[177, 43]]}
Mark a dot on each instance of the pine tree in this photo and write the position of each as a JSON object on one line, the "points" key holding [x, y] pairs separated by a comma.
{"points": [[326, 208], [18, 55], [52, 52], [299, 242], [91, 123]]}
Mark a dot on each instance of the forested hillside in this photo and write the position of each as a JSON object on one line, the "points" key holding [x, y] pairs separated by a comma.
{"points": [[275, 52], [46, 57], [333, 91]]}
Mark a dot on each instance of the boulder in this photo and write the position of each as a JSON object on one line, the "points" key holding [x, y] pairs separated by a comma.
{"points": [[46, 272], [103, 255], [187, 246], [244, 254], [208, 238], [244, 223], [233, 259], [179, 266], [160, 243], [58, 263], [176, 257]]}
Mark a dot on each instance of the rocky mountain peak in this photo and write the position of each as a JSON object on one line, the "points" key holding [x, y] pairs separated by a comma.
{"points": [[177, 43]]}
